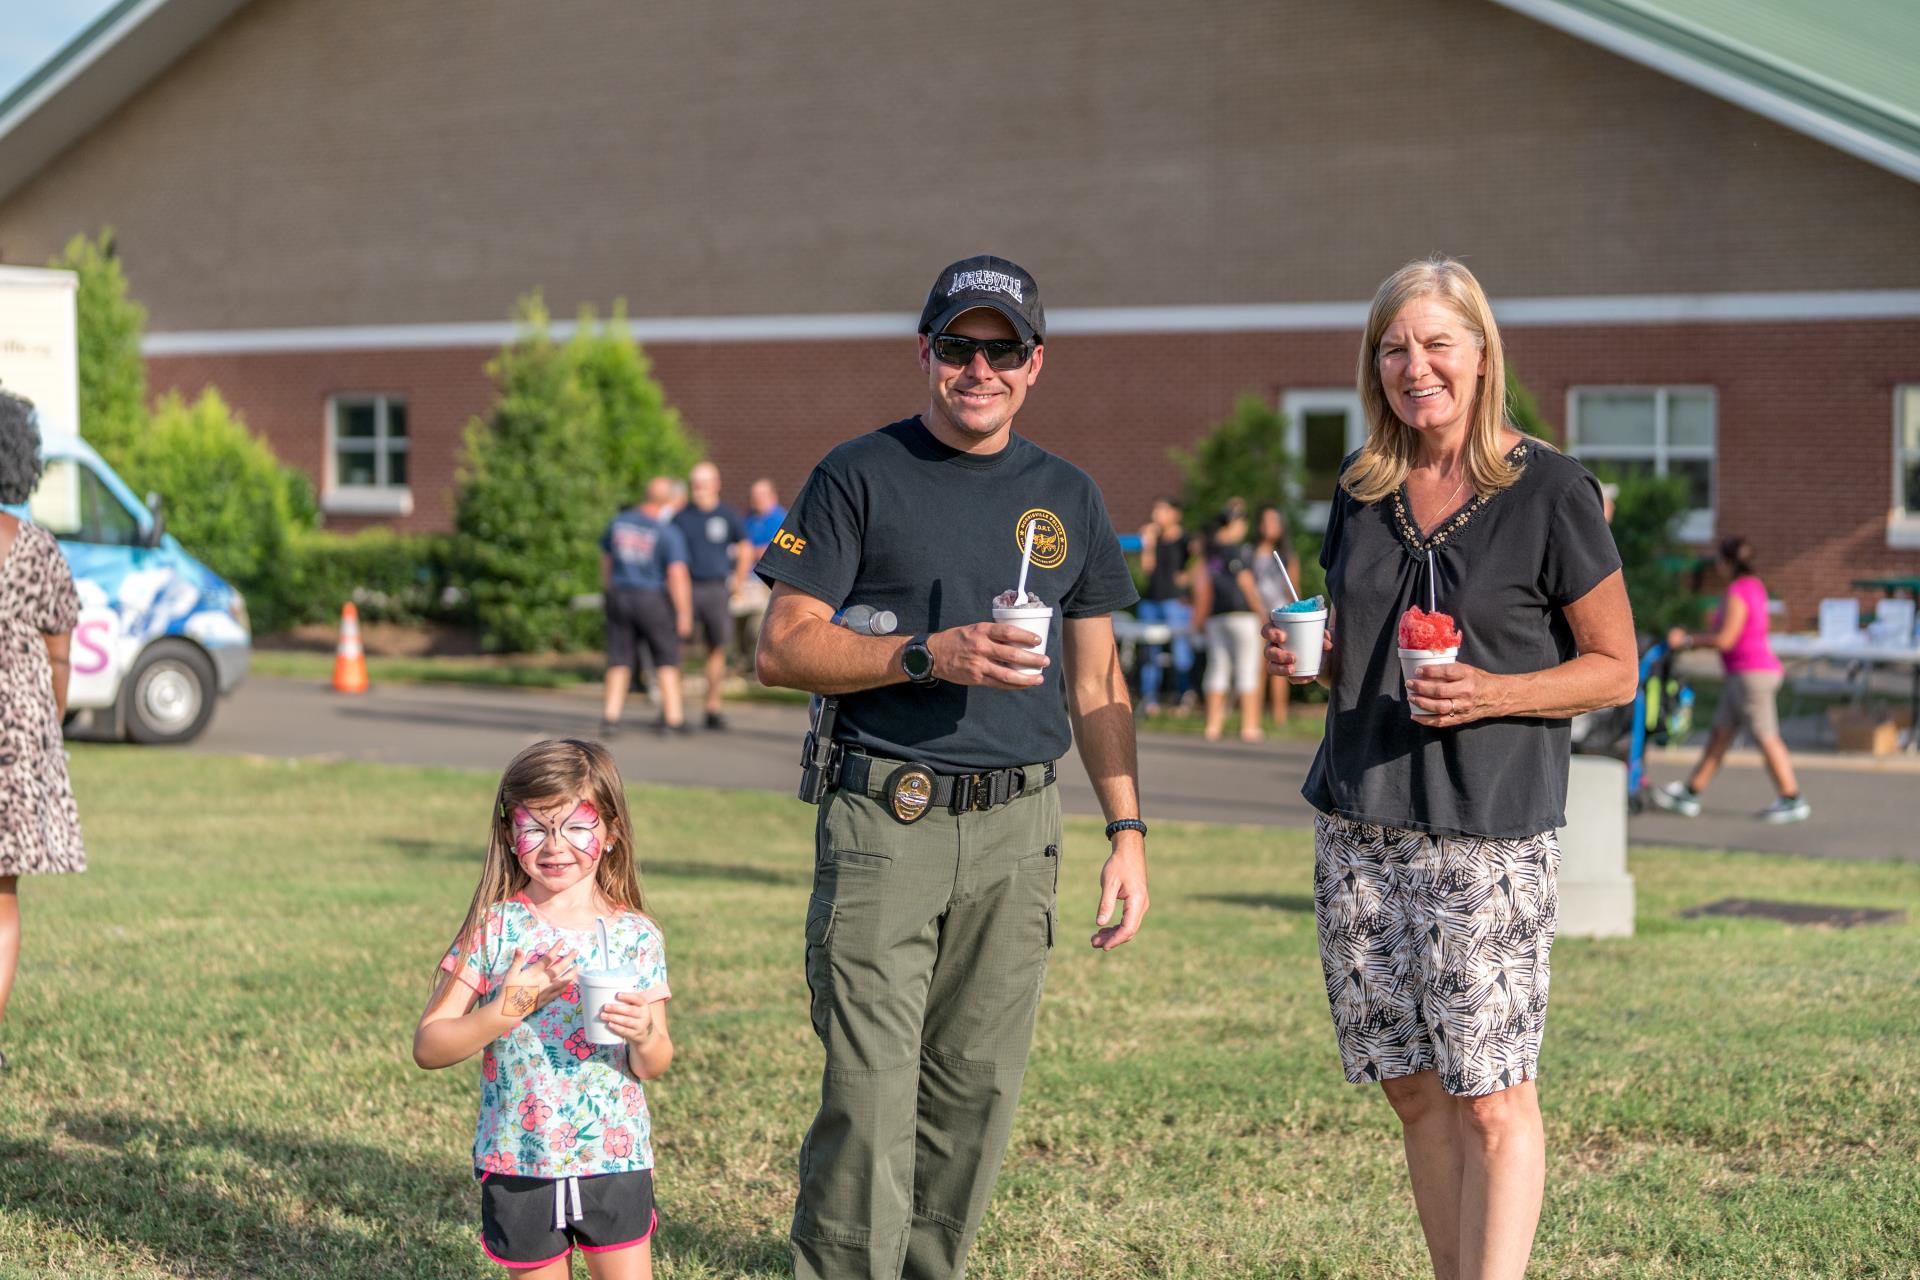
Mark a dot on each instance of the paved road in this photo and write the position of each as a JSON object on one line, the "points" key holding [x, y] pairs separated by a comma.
{"points": [[1862, 811]]}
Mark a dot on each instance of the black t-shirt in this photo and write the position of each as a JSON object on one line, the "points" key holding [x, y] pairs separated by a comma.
{"points": [[1169, 558], [711, 537], [1507, 568], [897, 520], [1226, 561]]}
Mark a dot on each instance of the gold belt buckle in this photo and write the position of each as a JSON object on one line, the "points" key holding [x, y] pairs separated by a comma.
{"points": [[972, 791]]}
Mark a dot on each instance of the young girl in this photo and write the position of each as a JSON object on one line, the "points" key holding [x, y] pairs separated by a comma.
{"points": [[564, 1149]]}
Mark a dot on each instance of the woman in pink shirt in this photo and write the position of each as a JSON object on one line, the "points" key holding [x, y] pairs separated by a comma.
{"points": [[1753, 682]]}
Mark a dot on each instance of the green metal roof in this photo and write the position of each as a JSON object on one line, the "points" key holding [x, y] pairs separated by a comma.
{"points": [[66, 54], [1844, 71]]}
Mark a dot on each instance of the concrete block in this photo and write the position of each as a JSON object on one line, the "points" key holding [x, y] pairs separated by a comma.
{"points": [[1596, 893]]}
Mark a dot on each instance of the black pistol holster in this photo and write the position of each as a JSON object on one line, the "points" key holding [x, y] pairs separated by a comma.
{"points": [[819, 753]]}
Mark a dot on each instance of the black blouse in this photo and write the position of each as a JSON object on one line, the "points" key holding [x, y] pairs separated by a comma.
{"points": [[1506, 567]]}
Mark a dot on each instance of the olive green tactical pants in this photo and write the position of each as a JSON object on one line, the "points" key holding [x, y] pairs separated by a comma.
{"points": [[926, 950]]}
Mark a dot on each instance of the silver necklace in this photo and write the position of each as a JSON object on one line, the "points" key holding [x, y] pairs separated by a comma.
{"points": [[1447, 506]]}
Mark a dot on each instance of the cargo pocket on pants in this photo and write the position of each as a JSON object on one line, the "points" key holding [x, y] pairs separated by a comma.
{"points": [[819, 964], [1041, 874]]}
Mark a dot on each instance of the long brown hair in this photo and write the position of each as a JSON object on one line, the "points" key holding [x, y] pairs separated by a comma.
{"points": [[550, 772], [1388, 453]]}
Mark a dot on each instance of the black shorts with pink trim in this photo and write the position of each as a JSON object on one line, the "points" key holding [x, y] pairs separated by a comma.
{"points": [[529, 1222]]}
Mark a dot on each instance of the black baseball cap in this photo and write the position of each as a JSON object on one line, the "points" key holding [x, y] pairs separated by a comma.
{"points": [[986, 281]]}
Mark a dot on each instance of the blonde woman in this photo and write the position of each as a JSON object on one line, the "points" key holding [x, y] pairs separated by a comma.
{"points": [[1435, 856]]}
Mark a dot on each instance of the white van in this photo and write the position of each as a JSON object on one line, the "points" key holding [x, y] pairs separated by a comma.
{"points": [[160, 635]]}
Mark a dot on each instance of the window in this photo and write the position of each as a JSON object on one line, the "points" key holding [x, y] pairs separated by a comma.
{"points": [[1664, 431], [1323, 427], [1903, 522], [72, 502], [367, 457]]}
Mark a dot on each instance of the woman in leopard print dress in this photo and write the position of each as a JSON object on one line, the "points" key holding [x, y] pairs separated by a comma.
{"points": [[39, 826]]}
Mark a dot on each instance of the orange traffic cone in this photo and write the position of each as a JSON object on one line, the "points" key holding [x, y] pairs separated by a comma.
{"points": [[349, 659]]}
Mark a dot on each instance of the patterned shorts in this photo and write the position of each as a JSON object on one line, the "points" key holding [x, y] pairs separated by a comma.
{"points": [[1435, 951]]}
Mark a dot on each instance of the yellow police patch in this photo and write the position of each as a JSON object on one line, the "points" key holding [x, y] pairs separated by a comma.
{"points": [[1049, 537]]}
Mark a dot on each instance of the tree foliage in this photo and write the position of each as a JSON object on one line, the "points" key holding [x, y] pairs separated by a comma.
{"points": [[113, 374], [576, 431], [1246, 457], [1654, 561], [226, 497], [640, 434], [533, 495], [1243, 457]]}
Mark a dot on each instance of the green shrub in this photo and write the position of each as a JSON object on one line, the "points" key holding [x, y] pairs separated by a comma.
{"points": [[227, 499], [389, 576], [533, 498], [1244, 457], [113, 374], [1646, 523], [576, 431], [640, 434]]}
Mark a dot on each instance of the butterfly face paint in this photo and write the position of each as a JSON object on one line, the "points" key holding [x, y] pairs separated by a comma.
{"points": [[576, 829]]}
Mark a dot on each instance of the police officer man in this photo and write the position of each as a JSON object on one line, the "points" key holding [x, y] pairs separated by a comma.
{"points": [[937, 844]]}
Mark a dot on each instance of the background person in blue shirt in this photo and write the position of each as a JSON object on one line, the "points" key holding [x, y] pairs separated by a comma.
{"points": [[764, 514], [643, 569], [719, 559]]}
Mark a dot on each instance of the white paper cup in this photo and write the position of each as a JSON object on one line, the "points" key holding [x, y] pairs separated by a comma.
{"points": [[598, 987], [1306, 636], [1411, 660], [1034, 618]]}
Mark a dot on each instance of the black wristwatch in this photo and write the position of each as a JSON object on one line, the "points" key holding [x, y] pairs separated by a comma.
{"points": [[1126, 824], [917, 661]]}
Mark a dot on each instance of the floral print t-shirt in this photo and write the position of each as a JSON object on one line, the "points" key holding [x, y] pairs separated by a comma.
{"points": [[551, 1104]]}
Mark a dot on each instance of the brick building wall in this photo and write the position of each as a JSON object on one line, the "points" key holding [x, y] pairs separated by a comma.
{"points": [[1804, 423], [417, 161]]}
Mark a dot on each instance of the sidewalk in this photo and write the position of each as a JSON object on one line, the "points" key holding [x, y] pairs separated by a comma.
{"points": [[1181, 775]]}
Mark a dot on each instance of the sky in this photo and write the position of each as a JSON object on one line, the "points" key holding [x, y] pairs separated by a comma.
{"points": [[31, 31]]}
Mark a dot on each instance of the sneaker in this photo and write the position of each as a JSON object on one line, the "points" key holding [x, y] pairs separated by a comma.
{"points": [[609, 729], [1677, 797], [716, 722], [1785, 810]]}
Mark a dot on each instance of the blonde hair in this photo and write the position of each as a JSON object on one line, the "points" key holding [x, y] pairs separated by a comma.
{"points": [[1389, 452], [556, 770]]}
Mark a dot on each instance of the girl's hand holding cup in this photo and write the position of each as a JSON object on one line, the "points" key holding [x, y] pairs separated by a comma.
{"points": [[630, 1016], [532, 981]]}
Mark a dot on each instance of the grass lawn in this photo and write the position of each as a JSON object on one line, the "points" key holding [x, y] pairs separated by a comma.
{"points": [[211, 1074]]}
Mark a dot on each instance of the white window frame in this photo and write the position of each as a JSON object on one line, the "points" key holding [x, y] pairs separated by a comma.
{"points": [[1697, 525], [1903, 526], [379, 498], [1295, 405]]}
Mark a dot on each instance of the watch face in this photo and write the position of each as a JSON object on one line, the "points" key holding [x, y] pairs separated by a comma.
{"points": [[917, 661]]}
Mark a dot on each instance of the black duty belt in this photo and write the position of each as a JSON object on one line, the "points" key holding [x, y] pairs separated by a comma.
{"points": [[909, 790]]}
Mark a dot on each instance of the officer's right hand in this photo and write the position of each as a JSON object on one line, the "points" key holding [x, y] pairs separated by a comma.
{"points": [[992, 654], [1281, 660]]}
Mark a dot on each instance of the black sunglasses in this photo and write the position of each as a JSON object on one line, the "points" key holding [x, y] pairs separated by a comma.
{"points": [[1002, 353]]}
